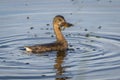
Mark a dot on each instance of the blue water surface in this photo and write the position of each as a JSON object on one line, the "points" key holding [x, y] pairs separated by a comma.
{"points": [[94, 41]]}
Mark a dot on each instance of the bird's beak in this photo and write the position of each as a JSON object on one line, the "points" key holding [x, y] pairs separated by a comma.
{"points": [[65, 25]]}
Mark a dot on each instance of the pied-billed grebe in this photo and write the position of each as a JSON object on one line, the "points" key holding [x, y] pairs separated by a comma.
{"points": [[60, 44]]}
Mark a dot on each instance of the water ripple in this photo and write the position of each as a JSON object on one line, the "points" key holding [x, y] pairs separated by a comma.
{"points": [[95, 55], [94, 41]]}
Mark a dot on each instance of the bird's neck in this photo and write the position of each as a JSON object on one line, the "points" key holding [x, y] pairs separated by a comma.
{"points": [[58, 33]]}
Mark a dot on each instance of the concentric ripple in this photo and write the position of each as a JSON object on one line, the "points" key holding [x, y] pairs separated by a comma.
{"points": [[87, 57], [100, 57]]}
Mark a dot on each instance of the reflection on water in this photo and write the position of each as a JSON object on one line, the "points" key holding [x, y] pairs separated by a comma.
{"points": [[60, 70]]}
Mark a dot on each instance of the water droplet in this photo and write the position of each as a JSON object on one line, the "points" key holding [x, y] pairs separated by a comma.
{"points": [[99, 27], [52, 35], [28, 17], [97, 36], [87, 35], [70, 13], [43, 75], [110, 1], [31, 28], [48, 24], [4, 60], [85, 29], [77, 48], [27, 63], [94, 49], [98, 0], [71, 45]]}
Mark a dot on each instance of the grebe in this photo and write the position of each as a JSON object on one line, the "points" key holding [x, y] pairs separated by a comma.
{"points": [[59, 23]]}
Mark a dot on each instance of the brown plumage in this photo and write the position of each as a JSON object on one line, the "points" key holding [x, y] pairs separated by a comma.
{"points": [[60, 44]]}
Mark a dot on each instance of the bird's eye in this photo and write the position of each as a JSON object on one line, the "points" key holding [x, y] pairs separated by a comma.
{"points": [[60, 20]]}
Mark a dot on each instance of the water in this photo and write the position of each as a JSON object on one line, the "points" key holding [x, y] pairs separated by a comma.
{"points": [[94, 41]]}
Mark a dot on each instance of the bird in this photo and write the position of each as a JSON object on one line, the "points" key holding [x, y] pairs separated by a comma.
{"points": [[61, 44]]}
